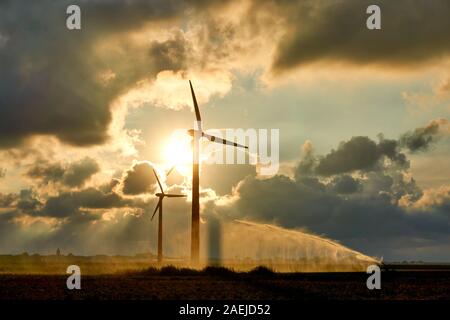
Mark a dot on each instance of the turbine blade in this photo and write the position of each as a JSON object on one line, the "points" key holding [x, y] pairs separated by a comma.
{"points": [[223, 141], [197, 111], [170, 170], [157, 179], [156, 209], [175, 195]]}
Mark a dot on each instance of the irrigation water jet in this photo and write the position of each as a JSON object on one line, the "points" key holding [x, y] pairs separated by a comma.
{"points": [[244, 245]]}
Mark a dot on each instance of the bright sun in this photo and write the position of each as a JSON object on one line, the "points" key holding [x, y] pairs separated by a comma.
{"points": [[178, 152]]}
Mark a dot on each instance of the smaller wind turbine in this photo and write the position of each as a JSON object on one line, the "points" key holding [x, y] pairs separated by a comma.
{"points": [[159, 206]]}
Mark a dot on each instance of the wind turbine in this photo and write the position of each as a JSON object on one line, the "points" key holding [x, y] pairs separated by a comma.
{"points": [[159, 206], [197, 133]]}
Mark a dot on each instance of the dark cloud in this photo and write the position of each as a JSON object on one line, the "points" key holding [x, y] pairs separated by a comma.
{"points": [[37, 52], [72, 203], [67, 204], [345, 184], [47, 172], [109, 187], [390, 149], [6, 200], [28, 200], [363, 213], [412, 32], [171, 54], [75, 174], [422, 138], [79, 172], [374, 210], [80, 226], [139, 179], [82, 229], [359, 153], [363, 154], [45, 56], [49, 83]]}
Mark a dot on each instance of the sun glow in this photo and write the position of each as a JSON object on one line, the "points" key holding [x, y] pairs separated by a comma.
{"points": [[178, 152]]}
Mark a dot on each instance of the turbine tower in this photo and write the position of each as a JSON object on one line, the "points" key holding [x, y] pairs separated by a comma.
{"points": [[197, 133], [159, 206]]}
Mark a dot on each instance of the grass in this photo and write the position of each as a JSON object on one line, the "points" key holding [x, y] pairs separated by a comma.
{"points": [[108, 278], [208, 271], [171, 283]]}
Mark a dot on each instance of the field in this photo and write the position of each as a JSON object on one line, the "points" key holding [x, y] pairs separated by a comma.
{"points": [[111, 278]]}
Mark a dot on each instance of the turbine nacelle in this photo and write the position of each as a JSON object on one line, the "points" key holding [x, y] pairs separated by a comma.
{"points": [[193, 132], [162, 194]]}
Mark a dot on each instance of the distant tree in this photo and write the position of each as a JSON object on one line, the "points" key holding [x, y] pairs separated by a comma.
{"points": [[58, 252]]}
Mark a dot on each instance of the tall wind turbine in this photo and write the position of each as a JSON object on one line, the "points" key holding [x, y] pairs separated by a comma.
{"points": [[159, 206], [197, 133]]}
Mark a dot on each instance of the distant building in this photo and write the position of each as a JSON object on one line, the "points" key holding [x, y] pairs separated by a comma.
{"points": [[58, 252]]}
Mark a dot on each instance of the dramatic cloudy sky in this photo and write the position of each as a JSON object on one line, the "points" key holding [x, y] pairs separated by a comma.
{"points": [[363, 117]]}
